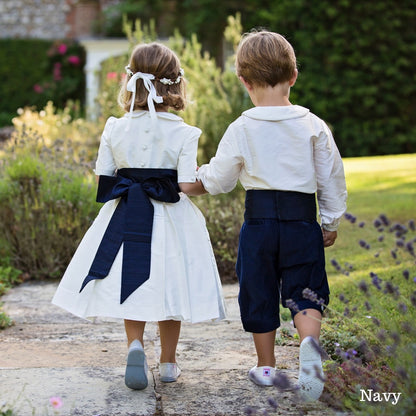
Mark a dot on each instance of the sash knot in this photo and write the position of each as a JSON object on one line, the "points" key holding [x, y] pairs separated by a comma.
{"points": [[131, 223]]}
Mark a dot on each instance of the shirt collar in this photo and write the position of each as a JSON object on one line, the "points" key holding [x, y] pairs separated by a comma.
{"points": [[276, 113], [159, 114]]}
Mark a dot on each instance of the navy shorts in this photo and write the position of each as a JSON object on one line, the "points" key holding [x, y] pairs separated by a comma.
{"points": [[277, 260]]}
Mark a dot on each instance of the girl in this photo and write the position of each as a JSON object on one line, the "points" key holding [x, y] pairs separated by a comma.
{"points": [[147, 256]]}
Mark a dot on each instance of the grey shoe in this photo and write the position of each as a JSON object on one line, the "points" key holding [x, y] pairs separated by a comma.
{"points": [[311, 376], [136, 369]]}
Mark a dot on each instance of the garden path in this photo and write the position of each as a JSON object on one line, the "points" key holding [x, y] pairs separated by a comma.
{"points": [[50, 353]]}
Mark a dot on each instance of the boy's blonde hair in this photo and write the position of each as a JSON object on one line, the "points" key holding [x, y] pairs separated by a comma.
{"points": [[265, 58], [158, 60]]}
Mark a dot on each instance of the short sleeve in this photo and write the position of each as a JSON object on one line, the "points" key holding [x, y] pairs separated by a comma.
{"points": [[105, 164], [187, 158]]}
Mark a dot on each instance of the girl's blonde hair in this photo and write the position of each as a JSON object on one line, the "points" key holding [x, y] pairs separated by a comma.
{"points": [[158, 60], [265, 58]]}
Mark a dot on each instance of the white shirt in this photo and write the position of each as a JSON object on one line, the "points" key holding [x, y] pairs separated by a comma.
{"points": [[134, 143], [284, 148]]}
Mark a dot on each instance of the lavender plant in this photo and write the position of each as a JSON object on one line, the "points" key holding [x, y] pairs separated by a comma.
{"points": [[370, 333]]}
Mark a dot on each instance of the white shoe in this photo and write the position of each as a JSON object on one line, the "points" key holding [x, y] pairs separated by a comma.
{"points": [[311, 375], [136, 369], [263, 376], [169, 372]]}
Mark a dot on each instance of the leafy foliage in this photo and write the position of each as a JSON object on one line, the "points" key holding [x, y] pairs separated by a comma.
{"points": [[36, 71], [47, 193], [356, 59]]}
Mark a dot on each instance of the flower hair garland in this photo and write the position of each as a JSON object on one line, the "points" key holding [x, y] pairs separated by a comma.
{"points": [[164, 81], [167, 81]]}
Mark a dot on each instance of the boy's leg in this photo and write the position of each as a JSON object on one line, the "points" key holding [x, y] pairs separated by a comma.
{"points": [[264, 344], [134, 330], [308, 323], [169, 337]]}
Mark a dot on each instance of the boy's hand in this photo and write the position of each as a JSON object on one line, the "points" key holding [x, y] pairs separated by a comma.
{"points": [[329, 237]]}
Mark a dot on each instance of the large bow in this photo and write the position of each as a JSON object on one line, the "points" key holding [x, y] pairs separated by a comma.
{"points": [[131, 223]]}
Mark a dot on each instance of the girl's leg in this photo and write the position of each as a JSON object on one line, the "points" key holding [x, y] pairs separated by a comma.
{"points": [[169, 337], [134, 330], [308, 323], [264, 344]]}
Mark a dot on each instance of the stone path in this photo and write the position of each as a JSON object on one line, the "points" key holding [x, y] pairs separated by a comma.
{"points": [[49, 352]]}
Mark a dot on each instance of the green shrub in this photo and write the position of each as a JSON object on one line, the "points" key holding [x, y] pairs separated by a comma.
{"points": [[224, 216], [352, 58], [35, 71], [47, 192]]}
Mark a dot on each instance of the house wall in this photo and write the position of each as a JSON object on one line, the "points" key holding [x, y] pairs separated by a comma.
{"points": [[50, 19]]}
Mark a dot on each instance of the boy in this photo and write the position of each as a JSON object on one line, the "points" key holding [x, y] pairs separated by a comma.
{"points": [[282, 154]]}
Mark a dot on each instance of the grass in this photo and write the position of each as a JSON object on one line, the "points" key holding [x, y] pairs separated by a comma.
{"points": [[384, 317], [376, 185]]}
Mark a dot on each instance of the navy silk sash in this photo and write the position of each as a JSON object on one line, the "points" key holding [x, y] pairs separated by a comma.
{"points": [[131, 223]]}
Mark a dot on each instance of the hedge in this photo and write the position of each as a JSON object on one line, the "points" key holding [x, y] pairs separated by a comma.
{"points": [[34, 71]]}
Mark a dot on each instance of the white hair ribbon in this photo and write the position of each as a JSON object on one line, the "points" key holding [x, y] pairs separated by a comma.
{"points": [[147, 81]]}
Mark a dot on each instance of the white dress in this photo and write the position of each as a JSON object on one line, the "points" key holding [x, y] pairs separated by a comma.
{"points": [[184, 283]]}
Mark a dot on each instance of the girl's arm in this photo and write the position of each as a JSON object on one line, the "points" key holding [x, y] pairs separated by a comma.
{"points": [[192, 189]]}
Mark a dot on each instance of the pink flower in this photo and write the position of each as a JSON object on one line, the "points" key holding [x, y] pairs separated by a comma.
{"points": [[62, 48], [74, 60], [56, 402], [38, 88], [57, 75], [112, 75]]}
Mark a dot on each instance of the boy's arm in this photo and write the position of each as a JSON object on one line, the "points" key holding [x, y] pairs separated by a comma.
{"points": [[221, 174], [332, 190], [192, 189]]}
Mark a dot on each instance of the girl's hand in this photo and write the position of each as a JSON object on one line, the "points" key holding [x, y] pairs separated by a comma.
{"points": [[329, 237]]}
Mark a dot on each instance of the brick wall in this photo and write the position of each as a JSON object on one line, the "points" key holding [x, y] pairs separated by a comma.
{"points": [[49, 19]]}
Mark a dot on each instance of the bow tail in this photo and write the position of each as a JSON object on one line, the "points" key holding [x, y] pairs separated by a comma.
{"points": [[137, 242], [109, 246]]}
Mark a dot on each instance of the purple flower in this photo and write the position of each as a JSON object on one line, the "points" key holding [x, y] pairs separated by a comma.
{"points": [[363, 286], [364, 244], [402, 307], [272, 403], [384, 219], [349, 217], [282, 382], [361, 224], [377, 223], [291, 304], [310, 295], [412, 225], [410, 248], [375, 280], [406, 274]]}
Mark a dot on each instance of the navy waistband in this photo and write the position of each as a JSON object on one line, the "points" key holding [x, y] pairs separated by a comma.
{"points": [[281, 205]]}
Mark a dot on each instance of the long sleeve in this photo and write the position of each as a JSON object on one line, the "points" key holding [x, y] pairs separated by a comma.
{"points": [[222, 172], [331, 186]]}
